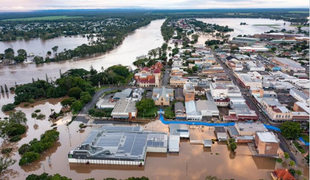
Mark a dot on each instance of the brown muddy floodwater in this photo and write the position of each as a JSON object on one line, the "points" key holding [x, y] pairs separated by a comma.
{"points": [[193, 161], [136, 44]]}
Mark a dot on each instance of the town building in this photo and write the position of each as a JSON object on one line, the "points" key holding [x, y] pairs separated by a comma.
{"points": [[147, 77], [282, 174], [179, 129], [275, 110], [179, 110], [267, 144], [178, 94], [162, 96], [177, 81], [118, 145], [288, 65], [207, 108], [126, 93], [299, 95], [220, 133], [249, 80], [105, 104], [191, 111], [124, 109], [189, 92]]}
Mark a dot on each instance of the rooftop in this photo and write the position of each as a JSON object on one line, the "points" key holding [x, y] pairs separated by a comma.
{"points": [[267, 137], [124, 106]]}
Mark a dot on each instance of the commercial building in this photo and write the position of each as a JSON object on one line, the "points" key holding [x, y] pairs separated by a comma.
{"points": [[105, 104], [253, 49], [207, 108], [282, 174], [249, 80], [177, 81], [189, 92], [126, 93], [267, 144], [287, 64], [218, 90], [299, 95], [124, 109], [275, 110], [220, 133], [179, 129], [191, 111], [249, 129], [178, 94], [118, 145], [179, 110]]}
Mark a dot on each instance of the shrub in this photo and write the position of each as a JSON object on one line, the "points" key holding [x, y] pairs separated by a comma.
{"points": [[41, 116], [8, 107], [29, 157], [15, 138], [32, 100], [37, 110], [24, 148], [34, 115], [279, 160], [16, 129], [26, 105], [6, 150]]}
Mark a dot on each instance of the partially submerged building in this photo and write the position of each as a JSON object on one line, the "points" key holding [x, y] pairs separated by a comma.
{"points": [[121, 145]]}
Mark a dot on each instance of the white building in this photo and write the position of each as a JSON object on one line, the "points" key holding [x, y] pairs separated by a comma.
{"points": [[300, 96], [218, 90], [191, 111]]}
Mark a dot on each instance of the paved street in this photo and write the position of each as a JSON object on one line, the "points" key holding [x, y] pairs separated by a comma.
{"points": [[264, 118]]}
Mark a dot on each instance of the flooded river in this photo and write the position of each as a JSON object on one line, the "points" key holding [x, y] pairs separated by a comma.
{"points": [[136, 44], [193, 161], [40, 47]]}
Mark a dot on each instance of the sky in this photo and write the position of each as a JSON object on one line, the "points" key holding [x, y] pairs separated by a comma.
{"points": [[30, 5]]}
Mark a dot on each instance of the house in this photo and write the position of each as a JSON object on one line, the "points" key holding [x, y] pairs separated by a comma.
{"points": [[220, 133], [178, 94], [179, 110], [267, 143], [282, 174], [162, 96], [124, 109]]}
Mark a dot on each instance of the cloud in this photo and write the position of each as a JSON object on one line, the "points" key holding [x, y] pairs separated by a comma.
{"points": [[158, 4]]}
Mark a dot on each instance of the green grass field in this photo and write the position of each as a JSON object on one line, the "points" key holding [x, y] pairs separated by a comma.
{"points": [[303, 12], [43, 18]]}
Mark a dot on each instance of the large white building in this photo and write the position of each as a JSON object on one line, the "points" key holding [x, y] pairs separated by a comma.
{"points": [[218, 90], [300, 96]]}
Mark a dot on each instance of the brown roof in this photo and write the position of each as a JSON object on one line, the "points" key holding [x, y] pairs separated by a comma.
{"points": [[283, 174]]}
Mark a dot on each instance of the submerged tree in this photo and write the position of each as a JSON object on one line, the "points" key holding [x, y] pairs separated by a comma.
{"points": [[5, 162]]}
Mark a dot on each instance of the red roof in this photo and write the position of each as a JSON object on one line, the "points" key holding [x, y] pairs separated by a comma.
{"points": [[157, 70], [145, 69], [147, 81], [283, 174]]}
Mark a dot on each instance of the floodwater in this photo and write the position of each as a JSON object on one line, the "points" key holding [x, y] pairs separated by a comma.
{"points": [[40, 47], [250, 28], [193, 161], [136, 44]]}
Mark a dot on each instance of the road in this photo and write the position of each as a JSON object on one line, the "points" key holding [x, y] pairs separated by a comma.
{"points": [[246, 94], [166, 76], [254, 106], [97, 95]]}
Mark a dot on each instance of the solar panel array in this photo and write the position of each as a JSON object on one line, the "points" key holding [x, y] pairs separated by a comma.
{"points": [[121, 128], [109, 139], [139, 144], [91, 137]]}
